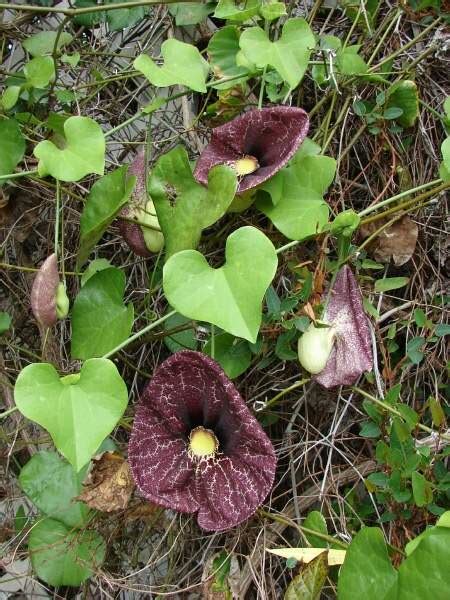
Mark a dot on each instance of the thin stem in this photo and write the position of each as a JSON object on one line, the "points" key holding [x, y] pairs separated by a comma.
{"points": [[283, 393], [8, 412], [397, 413], [306, 530], [419, 188], [74, 12], [17, 175], [261, 89], [58, 198], [287, 246], [139, 334], [213, 341]]}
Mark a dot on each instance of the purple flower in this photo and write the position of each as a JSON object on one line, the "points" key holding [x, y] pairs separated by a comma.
{"points": [[195, 446], [257, 144], [352, 351], [43, 292], [142, 241]]}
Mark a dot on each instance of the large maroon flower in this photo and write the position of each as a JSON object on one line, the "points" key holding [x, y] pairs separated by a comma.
{"points": [[352, 350], [195, 446], [257, 144]]}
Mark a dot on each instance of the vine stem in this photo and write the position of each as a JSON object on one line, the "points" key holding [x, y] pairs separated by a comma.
{"points": [[17, 175], [8, 412], [137, 335], [323, 536], [397, 413], [74, 12], [419, 188]]}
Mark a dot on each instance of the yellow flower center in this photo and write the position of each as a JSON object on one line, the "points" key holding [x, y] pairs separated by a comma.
{"points": [[202, 442], [246, 165]]}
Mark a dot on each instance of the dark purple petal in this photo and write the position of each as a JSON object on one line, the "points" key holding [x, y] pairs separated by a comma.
{"points": [[131, 232], [271, 135], [352, 352], [190, 390], [43, 292]]}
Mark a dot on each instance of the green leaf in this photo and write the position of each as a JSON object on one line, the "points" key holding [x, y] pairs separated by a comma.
{"points": [[392, 113], [40, 71], [237, 11], [100, 319], [444, 170], [232, 354], [91, 18], [404, 95], [370, 430], [186, 339], [12, 145], [51, 483], [425, 574], [183, 65], [367, 571], [63, 557], [413, 349], [437, 412], [223, 48], [124, 17], [184, 206], [84, 151], [43, 43], [350, 63], [273, 10], [98, 264], [230, 296], [10, 96], [422, 492], [289, 55], [390, 283], [297, 207], [72, 60], [308, 584], [79, 411], [442, 329], [107, 196], [190, 13], [315, 520], [5, 322]]}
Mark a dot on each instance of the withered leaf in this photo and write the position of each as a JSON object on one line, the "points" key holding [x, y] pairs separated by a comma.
{"points": [[109, 484], [398, 241]]}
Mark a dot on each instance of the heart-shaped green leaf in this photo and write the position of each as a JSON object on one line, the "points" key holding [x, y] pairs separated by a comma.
{"points": [[63, 557], [183, 65], [231, 295], [83, 153], [43, 42], [296, 206], [100, 319], [237, 11], [52, 483], [79, 411], [12, 146], [184, 206], [106, 198], [40, 71], [289, 55], [222, 50]]}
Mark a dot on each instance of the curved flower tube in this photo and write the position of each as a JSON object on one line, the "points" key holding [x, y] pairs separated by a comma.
{"points": [[351, 353], [141, 241], [195, 446], [49, 300], [257, 144]]}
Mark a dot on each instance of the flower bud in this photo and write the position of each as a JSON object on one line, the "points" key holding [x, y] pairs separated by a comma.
{"points": [[315, 346]]}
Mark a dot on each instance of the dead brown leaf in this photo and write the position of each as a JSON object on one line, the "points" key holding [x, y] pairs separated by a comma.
{"points": [[109, 484], [398, 241]]}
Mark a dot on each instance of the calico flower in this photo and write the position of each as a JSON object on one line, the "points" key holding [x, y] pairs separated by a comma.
{"points": [[49, 300], [256, 144], [339, 350], [196, 448], [141, 240]]}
